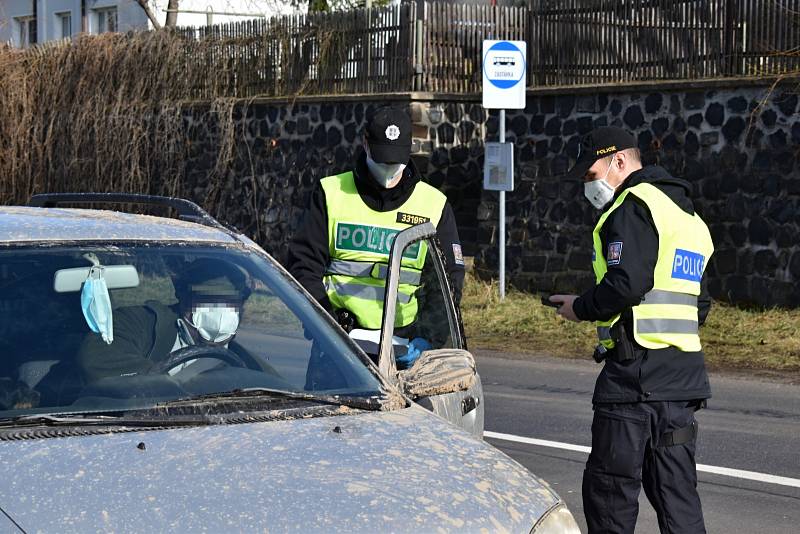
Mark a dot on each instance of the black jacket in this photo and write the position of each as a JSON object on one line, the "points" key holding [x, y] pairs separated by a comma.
{"points": [[143, 335], [309, 254], [655, 375]]}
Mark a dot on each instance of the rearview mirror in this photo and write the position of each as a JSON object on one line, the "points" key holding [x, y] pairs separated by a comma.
{"points": [[116, 276], [437, 372]]}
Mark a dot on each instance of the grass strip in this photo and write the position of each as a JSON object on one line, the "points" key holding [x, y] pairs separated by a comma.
{"points": [[733, 338]]}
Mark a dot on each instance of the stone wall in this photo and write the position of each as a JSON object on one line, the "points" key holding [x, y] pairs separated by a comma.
{"points": [[740, 160], [280, 152], [738, 148]]}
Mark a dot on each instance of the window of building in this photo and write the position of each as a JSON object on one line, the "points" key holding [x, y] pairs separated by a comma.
{"points": [[27, 31], [107, 20], [64, 24]]}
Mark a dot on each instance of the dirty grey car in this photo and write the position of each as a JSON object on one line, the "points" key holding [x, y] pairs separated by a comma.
{"points": [[121, 422]]}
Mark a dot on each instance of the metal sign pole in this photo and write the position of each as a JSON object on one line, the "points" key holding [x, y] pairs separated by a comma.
{"points": [[504, 75], [502, 226]]}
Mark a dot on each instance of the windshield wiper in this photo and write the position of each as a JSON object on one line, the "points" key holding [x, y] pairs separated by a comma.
{"points": [[356, 402], [103, 420], [154, 417]]}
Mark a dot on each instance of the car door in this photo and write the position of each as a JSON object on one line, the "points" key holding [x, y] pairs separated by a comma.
{"points": [[443, 379]]}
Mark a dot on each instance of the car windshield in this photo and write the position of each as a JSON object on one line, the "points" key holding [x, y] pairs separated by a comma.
{"points": [[103, 328]]}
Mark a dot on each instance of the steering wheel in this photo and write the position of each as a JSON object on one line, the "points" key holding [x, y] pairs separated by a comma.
{"points": [[194, 352]]}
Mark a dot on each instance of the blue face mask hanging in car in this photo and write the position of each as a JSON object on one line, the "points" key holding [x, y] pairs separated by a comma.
{"points": [[96, 305]]}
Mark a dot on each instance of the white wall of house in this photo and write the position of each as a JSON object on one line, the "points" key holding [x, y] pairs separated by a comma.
{"points": [[57, 18], [62, 16], [12, 15], [130, 15]]}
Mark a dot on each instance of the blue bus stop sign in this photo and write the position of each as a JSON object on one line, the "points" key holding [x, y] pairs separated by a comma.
{"points": [[504, 67]]}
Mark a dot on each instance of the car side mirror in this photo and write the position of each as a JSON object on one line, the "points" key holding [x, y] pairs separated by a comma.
{"points": [[437, 372]]}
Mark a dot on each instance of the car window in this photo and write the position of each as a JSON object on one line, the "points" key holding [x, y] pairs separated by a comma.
{"points": [[252, 327], [433, 323], [421, 306]]}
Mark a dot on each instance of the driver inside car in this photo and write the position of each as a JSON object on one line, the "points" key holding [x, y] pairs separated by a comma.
{"points": [[210, 295]]}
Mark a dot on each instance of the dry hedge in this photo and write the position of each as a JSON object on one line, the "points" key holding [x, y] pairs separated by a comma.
{"points": [[101, 114], [108, 112]]}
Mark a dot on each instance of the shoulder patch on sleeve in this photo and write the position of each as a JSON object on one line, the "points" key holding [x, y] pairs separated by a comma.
{"points": [[457, 255], [614, 255]]}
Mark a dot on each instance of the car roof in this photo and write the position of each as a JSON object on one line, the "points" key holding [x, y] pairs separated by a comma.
{"points": [[22, 224]]}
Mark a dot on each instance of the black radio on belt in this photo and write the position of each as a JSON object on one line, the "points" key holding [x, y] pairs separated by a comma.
{"points": [[623, 347], [600, 353]]}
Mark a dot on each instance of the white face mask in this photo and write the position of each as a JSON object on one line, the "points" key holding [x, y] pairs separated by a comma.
{"points": [[599, 192], [384, 173], [215, 324]]}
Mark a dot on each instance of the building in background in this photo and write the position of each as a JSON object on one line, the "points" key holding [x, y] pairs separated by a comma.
{"points": [[27, 22]]}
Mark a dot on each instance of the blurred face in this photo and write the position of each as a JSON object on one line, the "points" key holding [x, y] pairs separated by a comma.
{"points": [[213, 320], [388, 175]]}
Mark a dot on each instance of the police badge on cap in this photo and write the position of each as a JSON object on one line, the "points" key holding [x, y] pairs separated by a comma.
{"points": [[389, 135]]}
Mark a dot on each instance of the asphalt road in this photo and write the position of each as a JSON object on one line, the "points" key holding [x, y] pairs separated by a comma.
{"points": [[750, 424]]}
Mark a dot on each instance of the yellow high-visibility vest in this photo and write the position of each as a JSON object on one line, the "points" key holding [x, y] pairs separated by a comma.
{"points": [[359, 241], [667, 315]]}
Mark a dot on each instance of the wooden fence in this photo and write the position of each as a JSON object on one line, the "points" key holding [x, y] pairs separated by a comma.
{"points": [[437, 46], [618, 41], [348, 52], [452, 37]]}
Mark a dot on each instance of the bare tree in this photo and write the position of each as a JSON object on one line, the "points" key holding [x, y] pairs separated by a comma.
{"points": [[172, 14], [333, 5], [149, 12], [151, 7]]}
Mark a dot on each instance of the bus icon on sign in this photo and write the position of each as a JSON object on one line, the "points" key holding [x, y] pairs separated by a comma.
{"points": [[504, 60]]}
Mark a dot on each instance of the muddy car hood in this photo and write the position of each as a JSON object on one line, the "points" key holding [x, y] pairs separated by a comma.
{"points": [[406, 470]]}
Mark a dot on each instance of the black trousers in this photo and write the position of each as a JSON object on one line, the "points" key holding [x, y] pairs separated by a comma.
{"points": [[628, 451]]}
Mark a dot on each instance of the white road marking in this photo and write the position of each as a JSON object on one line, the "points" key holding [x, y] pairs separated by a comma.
{"points": [[724, 471], [540, 442]]}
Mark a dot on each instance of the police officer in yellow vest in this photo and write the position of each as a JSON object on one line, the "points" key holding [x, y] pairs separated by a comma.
{"points": [[650, 249], [340, 252]]}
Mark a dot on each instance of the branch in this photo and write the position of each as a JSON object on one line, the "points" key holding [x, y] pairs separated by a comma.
{"points": [[149, 13]]}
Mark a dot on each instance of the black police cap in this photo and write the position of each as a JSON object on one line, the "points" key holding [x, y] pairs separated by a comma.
{"points": [[388, 134], [597, 144]]}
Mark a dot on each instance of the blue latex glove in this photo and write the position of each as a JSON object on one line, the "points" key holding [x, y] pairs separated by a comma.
{"points": [[417, 346]]}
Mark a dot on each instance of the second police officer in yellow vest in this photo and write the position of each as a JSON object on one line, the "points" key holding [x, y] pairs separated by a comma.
{"points": [[341, 250], [649, 252]]}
